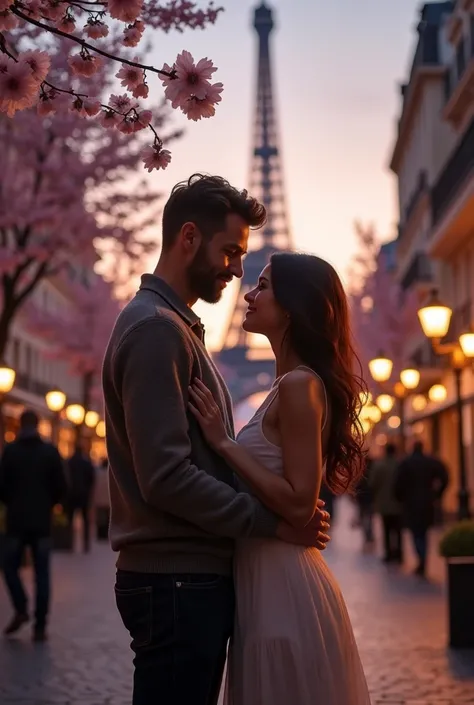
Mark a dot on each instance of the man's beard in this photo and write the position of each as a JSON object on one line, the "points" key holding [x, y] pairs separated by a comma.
{"points": [[204, 279]]}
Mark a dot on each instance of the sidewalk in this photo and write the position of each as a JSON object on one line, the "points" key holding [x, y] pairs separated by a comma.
{"points": [[399, 622]]}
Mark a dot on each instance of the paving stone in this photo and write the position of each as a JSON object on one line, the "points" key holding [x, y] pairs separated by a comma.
{"points": [[399, 623]]}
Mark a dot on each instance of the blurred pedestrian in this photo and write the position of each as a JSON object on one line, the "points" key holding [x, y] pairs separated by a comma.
{"points": [[32, 481], [382, 480], [420, 483], [102, 500], [81, 479], [365, 503]]}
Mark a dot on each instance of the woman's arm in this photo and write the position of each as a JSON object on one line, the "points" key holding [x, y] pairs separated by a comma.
{"points": [[300, 415]]}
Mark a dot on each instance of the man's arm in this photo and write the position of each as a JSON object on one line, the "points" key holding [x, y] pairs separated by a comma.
{"points": [[152, 371]]}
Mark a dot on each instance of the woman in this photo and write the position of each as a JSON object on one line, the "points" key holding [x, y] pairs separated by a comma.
{"points": [[293, 640]]}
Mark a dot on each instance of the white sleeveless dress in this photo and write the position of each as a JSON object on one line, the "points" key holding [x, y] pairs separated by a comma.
{"points": [[293, 641]]}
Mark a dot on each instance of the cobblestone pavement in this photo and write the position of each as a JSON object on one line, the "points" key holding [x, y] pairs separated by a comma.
{"points": [[399, 623]]}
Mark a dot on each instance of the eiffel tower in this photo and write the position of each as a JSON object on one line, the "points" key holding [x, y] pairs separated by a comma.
{"points": [[245, 359]]}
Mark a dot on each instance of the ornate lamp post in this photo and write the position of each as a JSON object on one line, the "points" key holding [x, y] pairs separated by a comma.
{"points": [[75, 413], [55, 401], [381, 370], [435, 319], [7, 380]]}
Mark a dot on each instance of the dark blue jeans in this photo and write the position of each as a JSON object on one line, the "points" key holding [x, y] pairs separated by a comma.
{"points": [[180, 626], [41, 550]]}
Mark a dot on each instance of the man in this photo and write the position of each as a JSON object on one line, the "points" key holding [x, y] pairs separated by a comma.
{"points": [[382, 479], [421, 482], [175, 510], [31, 483], [81, 479]]}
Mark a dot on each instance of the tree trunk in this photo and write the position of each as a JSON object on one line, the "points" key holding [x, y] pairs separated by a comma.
{"points": [[87, 383], [6, 319]]}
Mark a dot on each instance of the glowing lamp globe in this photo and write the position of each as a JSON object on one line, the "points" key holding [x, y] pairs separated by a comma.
{"points": [[410, 378], [466, 341], [91, 419], [419, 402], [374, 414], [55, 400], [394, 422], [385, 403], [435, 317], [7, 379], [100, 429], [75, 414], [381, 368], [438, 393]]}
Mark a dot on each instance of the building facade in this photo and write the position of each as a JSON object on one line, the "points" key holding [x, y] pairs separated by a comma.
{"points": [[433, 160], [38, 370]]}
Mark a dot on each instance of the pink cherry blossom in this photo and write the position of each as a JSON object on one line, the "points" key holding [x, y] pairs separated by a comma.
{"points": [[17, 87], [66, 24], [86, 107], [155, 157], [133, 33], [7, 20], [85, 64], [5, 4], [125, 126], [195, 109], [190, 79], [32, 8], [95, 29], [124, 10], [131, 76], [46, 104], [109, 119], [121, 103], [141, 120], [39, 63], [140, 91], [52, 9]]}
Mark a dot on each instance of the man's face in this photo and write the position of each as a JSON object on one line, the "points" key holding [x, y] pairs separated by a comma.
{"points": [[218, 260]]}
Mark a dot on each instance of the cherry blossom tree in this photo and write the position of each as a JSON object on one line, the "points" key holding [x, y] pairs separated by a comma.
{"points": [[67, 197], [79, 336], [383, 315], [85, 26]]}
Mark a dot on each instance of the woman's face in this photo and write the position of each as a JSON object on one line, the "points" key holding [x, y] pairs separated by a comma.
{"points": [[264, 315]]}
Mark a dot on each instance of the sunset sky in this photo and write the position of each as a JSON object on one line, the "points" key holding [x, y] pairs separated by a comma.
{"points": [[337, 65]]}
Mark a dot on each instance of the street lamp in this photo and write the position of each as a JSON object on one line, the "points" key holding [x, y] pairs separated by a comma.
{"points": [[75, 414], [419, 402], [435, 319], [410, 378], [100, 429], [385, 403], [55, 401], [91, 419], [437, 393], [7, 380], [381, 367]]}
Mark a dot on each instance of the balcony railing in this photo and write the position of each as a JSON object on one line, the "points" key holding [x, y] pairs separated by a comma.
{"points": [[420, 188], [456, 172], [419, 271]]}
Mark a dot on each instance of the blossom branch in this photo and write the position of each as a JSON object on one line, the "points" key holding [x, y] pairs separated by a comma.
{"points": [[90, 47]]}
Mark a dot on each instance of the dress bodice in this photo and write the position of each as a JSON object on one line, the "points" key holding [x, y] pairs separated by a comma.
{"points": [[253, 438]]}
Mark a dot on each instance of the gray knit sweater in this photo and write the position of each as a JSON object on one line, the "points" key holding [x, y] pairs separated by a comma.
{"points": [[174, 503]]}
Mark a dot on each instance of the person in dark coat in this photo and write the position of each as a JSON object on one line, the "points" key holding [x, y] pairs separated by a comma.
{"points": [[421, 481], [32, 481], [365, 503], [81, 479]]}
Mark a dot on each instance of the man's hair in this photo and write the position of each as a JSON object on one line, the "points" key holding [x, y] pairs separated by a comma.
{"points": [[207, 201], [29, 419]]}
